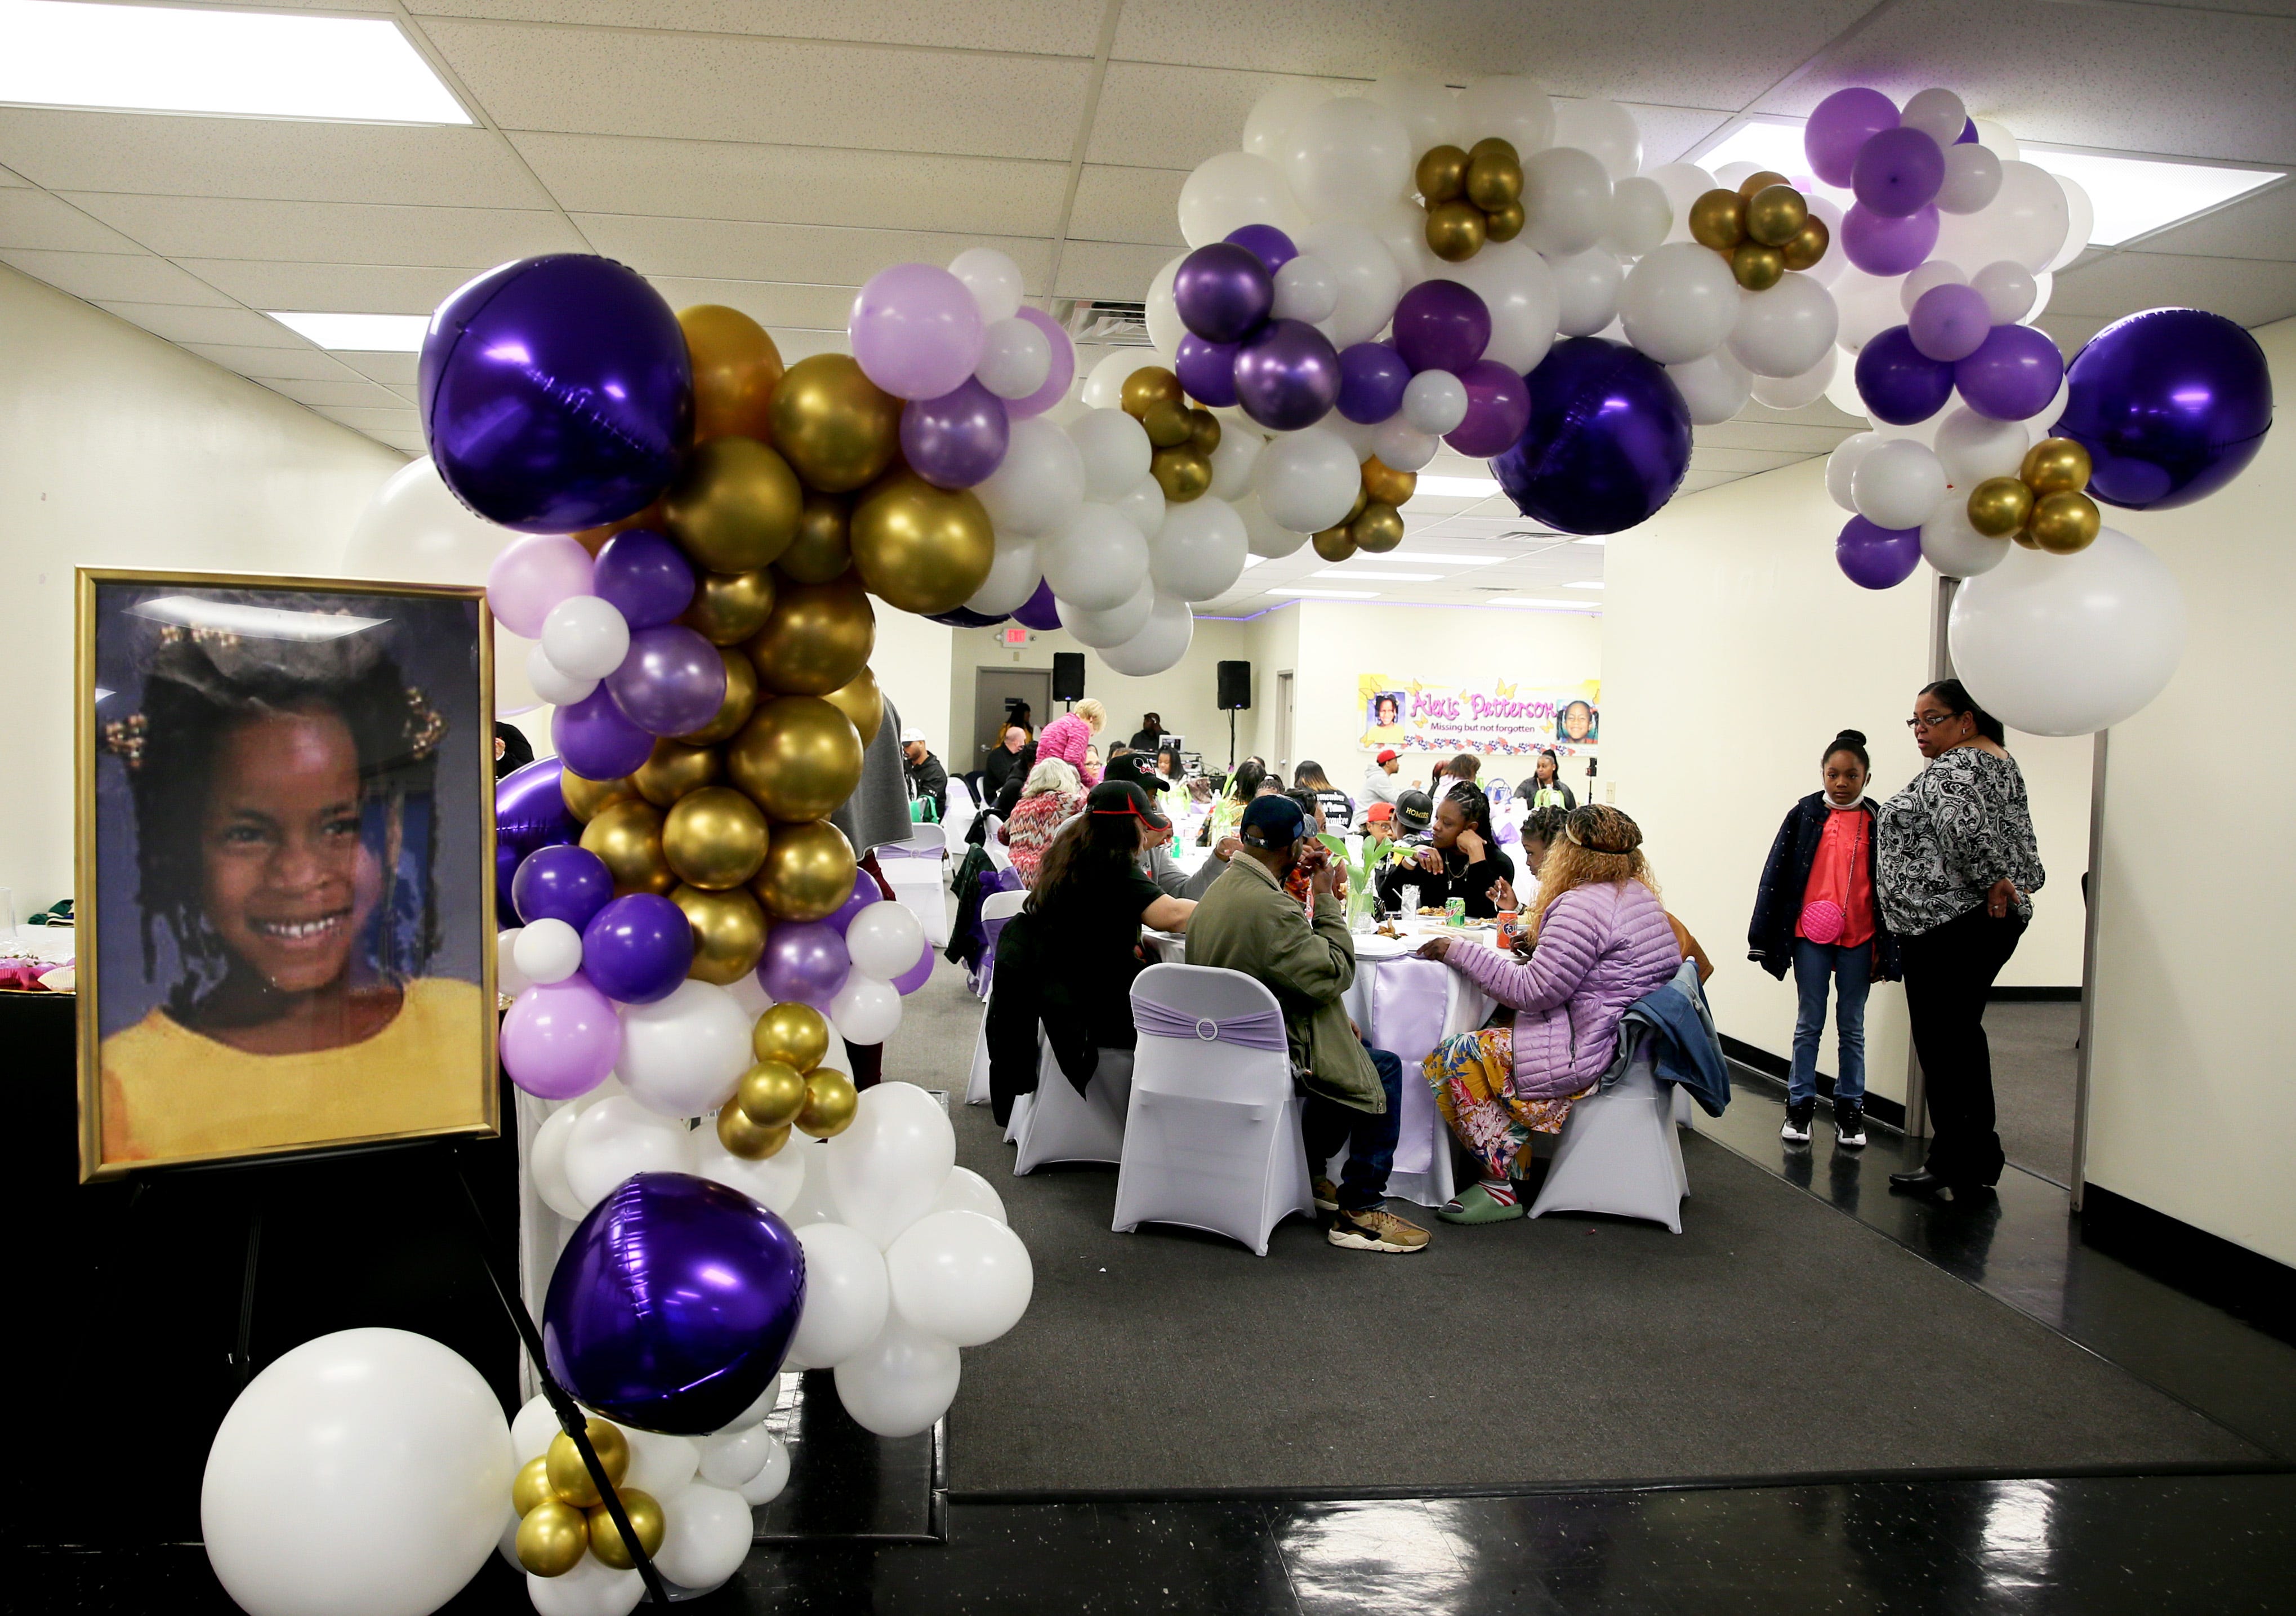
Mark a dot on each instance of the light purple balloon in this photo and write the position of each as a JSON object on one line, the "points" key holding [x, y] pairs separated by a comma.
{"points": [[595, 738], [532, 575], [1898, 172], [915, 331], [866, 892], [917, 975], [2012, 375], [559, 1040], [1057, 380], [672, 682], [1884, 246], [1949, 322], [1498, 407], [805, 961], [1207, 370], [956, 439], [1372, 379], [1875, 557], [1839, 128], [1287, 375]]}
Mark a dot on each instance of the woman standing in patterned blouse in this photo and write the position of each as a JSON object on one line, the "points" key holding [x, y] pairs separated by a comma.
{"points": [[1957, 870]]}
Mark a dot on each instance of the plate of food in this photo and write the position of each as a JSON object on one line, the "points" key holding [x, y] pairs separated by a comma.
{"points": [[1383, 945]]}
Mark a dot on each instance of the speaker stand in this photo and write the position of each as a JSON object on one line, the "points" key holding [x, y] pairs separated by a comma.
{"points": [[1231, 740]]}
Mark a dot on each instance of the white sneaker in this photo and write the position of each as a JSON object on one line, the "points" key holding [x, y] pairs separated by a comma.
{"points": [[1795, 1130]]}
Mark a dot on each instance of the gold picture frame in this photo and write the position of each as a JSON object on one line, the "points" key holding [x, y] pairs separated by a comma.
{"points": [[218, 625]]}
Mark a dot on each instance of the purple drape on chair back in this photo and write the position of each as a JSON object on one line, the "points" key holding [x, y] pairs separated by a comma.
{"points": [[1255, 1029], [993, 881]]}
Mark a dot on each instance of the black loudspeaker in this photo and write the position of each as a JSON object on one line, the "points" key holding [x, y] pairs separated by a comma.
{"points": [[1068, 676], [1235, 686]]}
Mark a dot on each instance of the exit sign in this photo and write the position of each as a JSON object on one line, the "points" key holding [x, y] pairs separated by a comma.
{"points": [[1015, 635]]}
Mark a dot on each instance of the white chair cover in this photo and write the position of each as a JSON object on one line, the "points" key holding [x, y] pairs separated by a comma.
{"points": [[995, 911], [1212, 1141], [1062, 1124], [1620, 1153], [962, 809], [914, 869]]}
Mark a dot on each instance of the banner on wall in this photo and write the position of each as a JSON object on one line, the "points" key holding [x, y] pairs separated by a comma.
{"points": [[1495, 720]]}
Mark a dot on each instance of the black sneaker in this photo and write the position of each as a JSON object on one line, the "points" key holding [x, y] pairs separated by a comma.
{"points": [[1849, 1123], [1796, 1130]]}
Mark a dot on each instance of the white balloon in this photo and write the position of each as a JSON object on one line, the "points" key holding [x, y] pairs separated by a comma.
{"points": [[732, 1458], [1865, 307], [682, 1055], [1841, 392], [1997, 140], [885, 1169], [559, 689], [772, 1183], [846, 1293], [1954, 548], [2068, 645], [1402, 446], [868, 1010], [1898, 484], [1679, 303], [1973, 179], [1971, 448], [759, 1409], [1827, 269], [1103, 384], [1013, 574], [1928, 277], [1715, 388], [1514, 108], [1164, 326], [1525, 306], [342, 1431], [510, 981], [660, 1463], [1272, 116], [814, 1202], [1841, 466], [706, 1537], [1202, 550], [1640, 215], [766, 1485], [1015, 359], [585, 637], [1233, 460], [1795, 392], [961, 1276], [1566, 200], [1939, 114], [549, 951], [1683, 183], [1360, 437], [2009, 290], [1428, 107], [1346, 159], [1924, 432], [884, 939], [1366, 282], [531, 1429], [1099, 562], [545, 1163], [1160, 645], [1402, 230], [615, 1138], [1231, 190], [1587, 285], [1306, 481], [966, 1191], [1434, 401], [415, 531], [591, 1589], [1786, 329], [2044, 283], [1143, 505], [2037, 426], [1101, 629], [1264, 536], [1307, 289], [1729, 176], [2026, 222], [993, 279], [899, 1383], [1602, 129], [1114, 448], [2080, 215]]}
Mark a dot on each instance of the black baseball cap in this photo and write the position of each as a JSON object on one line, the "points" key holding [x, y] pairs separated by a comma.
{"points": [[1273, 821], [1414, 810], [1125, 797]]}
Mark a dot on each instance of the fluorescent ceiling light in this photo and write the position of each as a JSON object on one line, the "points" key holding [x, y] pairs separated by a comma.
{"points": [[1456, 487], [1453, 560], [2135, 196], [1593, 539], [1333, 595], [1382, 577], [255, 622], [1524, 600], [1585, 584], [1253, 561], [356, 334]]}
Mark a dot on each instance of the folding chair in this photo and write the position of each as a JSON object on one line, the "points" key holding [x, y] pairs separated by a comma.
{"points": [[1062, 1125], [914, 868], [1619, 1153], [994, 910]]}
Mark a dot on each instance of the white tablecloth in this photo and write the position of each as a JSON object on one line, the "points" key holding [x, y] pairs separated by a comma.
{"points": [[1409, 1006]]}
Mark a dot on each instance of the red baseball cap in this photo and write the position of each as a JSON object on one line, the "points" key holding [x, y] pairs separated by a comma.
{"points": [[1378, 811], [1389, 756]]}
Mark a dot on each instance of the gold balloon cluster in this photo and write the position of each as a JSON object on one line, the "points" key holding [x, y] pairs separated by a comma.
{"points": [[1374, 524], [1182, 437], [2043, 506], [787, 1087], [1764, 227], [560, 1516], [1472, 197]]}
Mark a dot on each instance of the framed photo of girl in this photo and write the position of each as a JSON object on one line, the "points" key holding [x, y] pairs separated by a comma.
{"points": [[284, 792]]}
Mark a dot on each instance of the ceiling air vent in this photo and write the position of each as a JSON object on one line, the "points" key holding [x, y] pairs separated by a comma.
{"points": [[1104, 325]]}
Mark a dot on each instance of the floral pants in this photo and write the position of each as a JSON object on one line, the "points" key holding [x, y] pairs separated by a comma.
{"points": [[1472, 1076]]}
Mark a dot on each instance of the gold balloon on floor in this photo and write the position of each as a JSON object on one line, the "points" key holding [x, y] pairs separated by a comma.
{"points": [[919, 548], [1999, 506], [713, 838], [829, 1101], [584, 798], [676, 768], [735, 506], [817, 638], [793, 1034], [628, 837], [860, 700], [1378, 529], [1455, 231], [772, 1094], [798, 757], [729, 607], [569, 1477], [729, 932], [741, 697], [2064, 523], [838, 427], [819, 551], [735, 366], [552, 1537], [646, 1521], [808, 875], [744, 1139]]}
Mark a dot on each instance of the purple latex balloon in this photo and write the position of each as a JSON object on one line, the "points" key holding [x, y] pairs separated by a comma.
{"points": [[1607, 444], [644, 577], [917, 975], [671, 683], [673, 1304], [1498, 407], [1949, 322], [1441, 325], [1266, 243], [1287, 375], [2172, 404], [1057, 378], [1372, 379], [866, 892], [805, 961], [1885, 247], [568, 883], [555, 393], [595, 738], [559, 1040], [530, 812], [1968, 136], [1875, 557], [1898, 172], [1839, 127], [1898, 383], [958, 438], [1207, 371], [638, 948], [915, 331], [1222, 291], [2012, 375], [1039, 612]]}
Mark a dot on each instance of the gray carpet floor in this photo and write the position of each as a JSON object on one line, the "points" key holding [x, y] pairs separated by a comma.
{"points": [[1773, 1337], [2033, 1074]]}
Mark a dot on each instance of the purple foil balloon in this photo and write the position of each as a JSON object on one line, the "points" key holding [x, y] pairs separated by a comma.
{"points": [[1949, 323], [1898, 383], [1039, 612], [915, 331], [1441, 325], [1898, 172], [559, 1040], [644, 577], [917, 975], [958, 438], [1207, 371], [866, 892], [1222, 291], [2012, 375], [568, 883], [1875, 557], [1287, 375], [1057, 380], [805, 961], [2172, 404], [1881, 246], [530, 812], [1839, 127], [1372, 379], [1607, 444], [1266, 243], [672, 682], [555, 393], [1498, 407], [637, 948], [673, 1304], [597, 740]]}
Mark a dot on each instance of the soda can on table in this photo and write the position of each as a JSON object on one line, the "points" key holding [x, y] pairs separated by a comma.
{"points": [[1454, 911]]}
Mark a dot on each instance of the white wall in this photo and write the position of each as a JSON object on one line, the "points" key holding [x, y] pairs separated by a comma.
{"points": [[118, 449], [912, 664]]}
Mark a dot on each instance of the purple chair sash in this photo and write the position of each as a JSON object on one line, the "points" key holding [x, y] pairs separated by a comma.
{"points": [[902, 849], [1259, 1030]]}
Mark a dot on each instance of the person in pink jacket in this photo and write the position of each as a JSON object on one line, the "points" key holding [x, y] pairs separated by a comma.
{"points": [[1601, 941], [1069, 737]]}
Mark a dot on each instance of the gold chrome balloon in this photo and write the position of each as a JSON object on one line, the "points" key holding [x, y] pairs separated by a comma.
{"points": [[735, 506], [798, 757], [729, 932], [569, 1477], [829, 1101], [838, 429], [646, 1521], [819, 551], [2055, 465], [729, 607], [818, 637], [676, 768], [1333, 544], [1808, 244], [1166, 423], [1761, 180], [1203, 430], [1378, 530], [919, 548], [628, 836], [584, 798], [551, 1538], [1503, 223], [772, 1094], [713, 838], [1758, 267], [860, 700], [2064, 522], [744, 1139], [531, 1485], [735, 366], [1999, 506], [808, 872], [741, 696], [1717, 219], [1494, 174], [1774, 214], [1441, 176], [1455, 231], [1182, 473], [1148, 387], [792, 1034], [1387, 485]]}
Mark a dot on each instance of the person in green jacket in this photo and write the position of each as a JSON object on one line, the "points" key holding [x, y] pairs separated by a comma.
{"points": [[1247, 922]]}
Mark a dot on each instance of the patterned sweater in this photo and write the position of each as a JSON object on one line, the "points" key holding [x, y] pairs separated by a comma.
{"points": [[1959, 825]]}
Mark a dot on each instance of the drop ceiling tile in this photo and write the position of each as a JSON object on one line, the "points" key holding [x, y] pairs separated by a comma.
{"points": [[184, 324], [303, 364], [402, 421], [2250, 290], [1743, 433], [366, 289], [1041, 27], [405, 443], [773, 304], [1667, 132], [1154, 115], [103, 277], [814, 254], [336, 394], [1116, 271], [395, 368], [2071, 332], [33, 219], [721, 87], [795, 345], [330, 232], [10, 178], [1127, 205], [1740, 462], [2260, 227], [797, 184]]}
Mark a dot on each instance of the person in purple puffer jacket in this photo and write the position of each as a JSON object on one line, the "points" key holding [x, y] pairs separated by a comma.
{"points": [[1602, 941]]}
